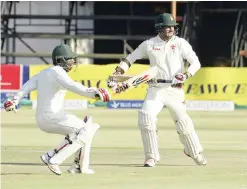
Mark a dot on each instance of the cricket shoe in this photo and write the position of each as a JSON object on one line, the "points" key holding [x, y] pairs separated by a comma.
{"points": [[149, 163], [53, 167], [199, 160], [75, 168]]}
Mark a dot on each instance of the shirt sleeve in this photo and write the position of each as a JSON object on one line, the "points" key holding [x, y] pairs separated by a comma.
{"points": [[63, 79], [137, 54], [29, 86], [191, 57]]}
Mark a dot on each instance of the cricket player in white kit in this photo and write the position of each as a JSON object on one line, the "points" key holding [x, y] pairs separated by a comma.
{"points": [[51, 85], [168, 52]]}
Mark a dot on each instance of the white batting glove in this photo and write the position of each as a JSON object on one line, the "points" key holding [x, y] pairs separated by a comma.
{"points": [[11, 105], [120, 87], [179, 79], [103, 95], [111, 82]]}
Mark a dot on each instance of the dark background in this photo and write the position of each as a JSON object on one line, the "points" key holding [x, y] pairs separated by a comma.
{"points": [[213, 30]]}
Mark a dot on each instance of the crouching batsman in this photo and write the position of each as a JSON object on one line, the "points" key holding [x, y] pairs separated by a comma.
{"points": [[51, 85]]}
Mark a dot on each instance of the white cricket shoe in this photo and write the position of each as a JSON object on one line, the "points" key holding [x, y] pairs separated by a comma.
{"points": [[199, 160], [75, 168], [88, 171], [53, 167], [149, 163]]}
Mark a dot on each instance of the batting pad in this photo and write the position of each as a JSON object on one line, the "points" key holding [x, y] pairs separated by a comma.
{"points": [[78, 141], [77, 155], [188, 136], [149, 136], [66, 151], [80, 153]]}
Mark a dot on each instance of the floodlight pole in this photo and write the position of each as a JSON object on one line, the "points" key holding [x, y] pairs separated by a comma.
{"points": [[174, 9]]}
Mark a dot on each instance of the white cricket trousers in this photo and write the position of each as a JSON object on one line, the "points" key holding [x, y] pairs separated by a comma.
{"points": [[172, 98], [60, 123]]}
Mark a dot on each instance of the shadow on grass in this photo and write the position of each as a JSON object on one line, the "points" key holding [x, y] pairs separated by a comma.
{"points": [[95, 164], [17, 174]]}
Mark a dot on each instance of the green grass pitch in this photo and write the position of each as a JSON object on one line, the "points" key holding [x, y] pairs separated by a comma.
{"points": [[117, 154]]}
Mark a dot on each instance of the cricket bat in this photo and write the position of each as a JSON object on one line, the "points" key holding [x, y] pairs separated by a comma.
{"points": [[134, 81], [121, 78]]}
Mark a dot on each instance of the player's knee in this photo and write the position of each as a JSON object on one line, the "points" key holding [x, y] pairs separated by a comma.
{"points": [[145, 121], [184, 125]]}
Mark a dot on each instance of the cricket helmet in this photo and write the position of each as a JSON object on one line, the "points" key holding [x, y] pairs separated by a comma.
{"points": [[61, 54], [163, 20]]}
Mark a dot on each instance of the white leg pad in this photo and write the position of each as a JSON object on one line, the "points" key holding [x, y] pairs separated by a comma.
{"points": [[77, 141], [85, 151], [188, 136], [68, 149], [182, 140], [85, 158], [78, 154], [149, 135]]}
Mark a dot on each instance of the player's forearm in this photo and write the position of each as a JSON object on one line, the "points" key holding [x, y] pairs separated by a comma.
{"points": [[189, 54], [80, 89], [29, 86], [67, 83], [18, 96], [194, 67], [123, 66], [138, 53]]}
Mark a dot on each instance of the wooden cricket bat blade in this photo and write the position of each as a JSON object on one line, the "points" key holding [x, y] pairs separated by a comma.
{"points": [[136, 80], [120, 78]]}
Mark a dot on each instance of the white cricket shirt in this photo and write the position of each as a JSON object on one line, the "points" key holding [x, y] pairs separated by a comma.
{"points": [[51, 85], [168, 56]]}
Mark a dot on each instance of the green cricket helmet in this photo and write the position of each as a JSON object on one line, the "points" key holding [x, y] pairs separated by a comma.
{"points": [[61, 54], [163, 20]]}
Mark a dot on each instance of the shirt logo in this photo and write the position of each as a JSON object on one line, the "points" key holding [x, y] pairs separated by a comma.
{"points": [[173, 47], [156, 49]]}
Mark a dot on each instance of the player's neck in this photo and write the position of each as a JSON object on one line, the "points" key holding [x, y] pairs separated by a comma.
{"points": [[164, 38]]}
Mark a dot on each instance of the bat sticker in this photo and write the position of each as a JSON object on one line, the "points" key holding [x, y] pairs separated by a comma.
{"points": [[140, 80]]}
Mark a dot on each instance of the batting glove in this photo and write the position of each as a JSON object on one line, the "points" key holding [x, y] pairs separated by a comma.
{"points": [[11, 105], [111, 82], [103, 95], [179, 79], [120, 87]]}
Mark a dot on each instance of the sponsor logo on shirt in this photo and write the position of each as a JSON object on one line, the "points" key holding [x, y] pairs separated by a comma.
{"points": [[156, 49]]}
